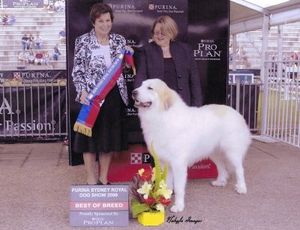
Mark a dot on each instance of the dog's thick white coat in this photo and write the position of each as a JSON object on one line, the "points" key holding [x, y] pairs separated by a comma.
{"points": [[183, 135]]}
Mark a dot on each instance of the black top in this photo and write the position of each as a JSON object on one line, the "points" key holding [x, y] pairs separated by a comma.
{"points": [[170, 73], [151, 64], [109, 131]]}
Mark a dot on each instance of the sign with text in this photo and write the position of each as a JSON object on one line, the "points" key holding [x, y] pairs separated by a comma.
{"points": [[23, 3], [99, 205], [32, 103]]}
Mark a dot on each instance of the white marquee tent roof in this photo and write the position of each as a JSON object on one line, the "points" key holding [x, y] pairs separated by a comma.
{"points": [[245, 16]]}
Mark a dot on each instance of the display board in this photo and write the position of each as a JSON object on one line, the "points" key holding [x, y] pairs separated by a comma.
{"points": [[204, 26]]}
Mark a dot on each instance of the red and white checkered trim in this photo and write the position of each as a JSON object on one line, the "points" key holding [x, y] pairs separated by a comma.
{"points": [[136, 158]]}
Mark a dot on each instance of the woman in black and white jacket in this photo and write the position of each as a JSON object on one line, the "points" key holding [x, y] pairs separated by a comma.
{"points": [[94, 52]]}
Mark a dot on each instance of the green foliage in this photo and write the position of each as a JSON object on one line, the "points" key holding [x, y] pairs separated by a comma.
{"points": [[159, 174], [145, 200], [137, 207]]}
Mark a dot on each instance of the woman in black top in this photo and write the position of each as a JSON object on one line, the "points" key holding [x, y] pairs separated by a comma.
{"points": [[170, 61]]}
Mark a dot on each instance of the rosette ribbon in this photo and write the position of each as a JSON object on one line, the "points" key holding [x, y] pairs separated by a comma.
{"points": [[89, 113]]}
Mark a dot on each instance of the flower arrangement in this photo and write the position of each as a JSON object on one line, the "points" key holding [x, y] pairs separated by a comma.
{"points": [[149, 190]]}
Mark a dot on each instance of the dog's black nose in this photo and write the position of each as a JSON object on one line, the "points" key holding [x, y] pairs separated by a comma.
{"points": [[134, 93]]}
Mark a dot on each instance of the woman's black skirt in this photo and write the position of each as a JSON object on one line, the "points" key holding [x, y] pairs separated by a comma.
{"points": [[109, 133]]}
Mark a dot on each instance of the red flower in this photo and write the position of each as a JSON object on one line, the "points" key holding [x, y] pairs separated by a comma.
{"points": [[164, 201], [149, 201], [147, 174]]}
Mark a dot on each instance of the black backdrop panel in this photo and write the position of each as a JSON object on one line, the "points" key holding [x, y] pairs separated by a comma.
{"points": [[204, 26]]}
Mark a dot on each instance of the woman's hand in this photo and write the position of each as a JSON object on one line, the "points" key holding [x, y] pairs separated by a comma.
{"points": [[128, 48], [83, 98]]}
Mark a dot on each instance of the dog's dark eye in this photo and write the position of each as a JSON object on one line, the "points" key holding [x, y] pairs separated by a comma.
{"points": [[149, 87]]}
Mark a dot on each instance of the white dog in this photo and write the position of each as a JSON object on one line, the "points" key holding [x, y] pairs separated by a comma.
{"points": [[183, 135]]}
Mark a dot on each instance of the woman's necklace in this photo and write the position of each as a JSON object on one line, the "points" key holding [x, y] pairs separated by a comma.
{"points": [[103, 41]]}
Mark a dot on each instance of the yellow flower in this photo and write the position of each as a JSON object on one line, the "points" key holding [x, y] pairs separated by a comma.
{"points": [[162, 184], [141, 171], [153, 175], [163, 190], [145, 189], [160, 207]]}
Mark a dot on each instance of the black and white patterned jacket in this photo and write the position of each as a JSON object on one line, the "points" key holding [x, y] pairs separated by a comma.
{"points": [[88, 70]]}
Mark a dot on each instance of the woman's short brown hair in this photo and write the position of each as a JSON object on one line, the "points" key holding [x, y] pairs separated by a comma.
{"points": [[169, 26], [98, 9]]}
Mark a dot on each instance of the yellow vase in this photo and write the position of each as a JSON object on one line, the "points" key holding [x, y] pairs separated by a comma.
{"points": [[151, 218]]}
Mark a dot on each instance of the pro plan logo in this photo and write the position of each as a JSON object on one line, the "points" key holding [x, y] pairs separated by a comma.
{"points": [[140, 158], [207, 50]]}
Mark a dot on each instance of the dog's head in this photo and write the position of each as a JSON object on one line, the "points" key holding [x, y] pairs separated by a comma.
{"points": [[153, 93]]}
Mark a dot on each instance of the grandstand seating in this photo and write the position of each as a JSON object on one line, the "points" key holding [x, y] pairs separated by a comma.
{"points": [[249, 45], [40, 21]]}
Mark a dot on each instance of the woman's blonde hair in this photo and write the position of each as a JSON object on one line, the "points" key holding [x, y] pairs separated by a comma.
{"points": [[169, 26]]}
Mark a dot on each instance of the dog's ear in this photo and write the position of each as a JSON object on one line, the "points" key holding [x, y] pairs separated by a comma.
{"points": [[167, 98]]}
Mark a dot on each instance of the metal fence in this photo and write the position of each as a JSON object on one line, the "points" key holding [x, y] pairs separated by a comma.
{"points": [[33, 109], [281, 98], [37, 110], [272, 107], [243, 95]]}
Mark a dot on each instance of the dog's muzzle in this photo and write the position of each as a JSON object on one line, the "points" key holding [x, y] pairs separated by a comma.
{"points": [[138, 103]]}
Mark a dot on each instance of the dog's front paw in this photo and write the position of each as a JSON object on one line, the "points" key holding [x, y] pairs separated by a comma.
{"points": [[177, 208], [241, 188], [219, 183]]}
